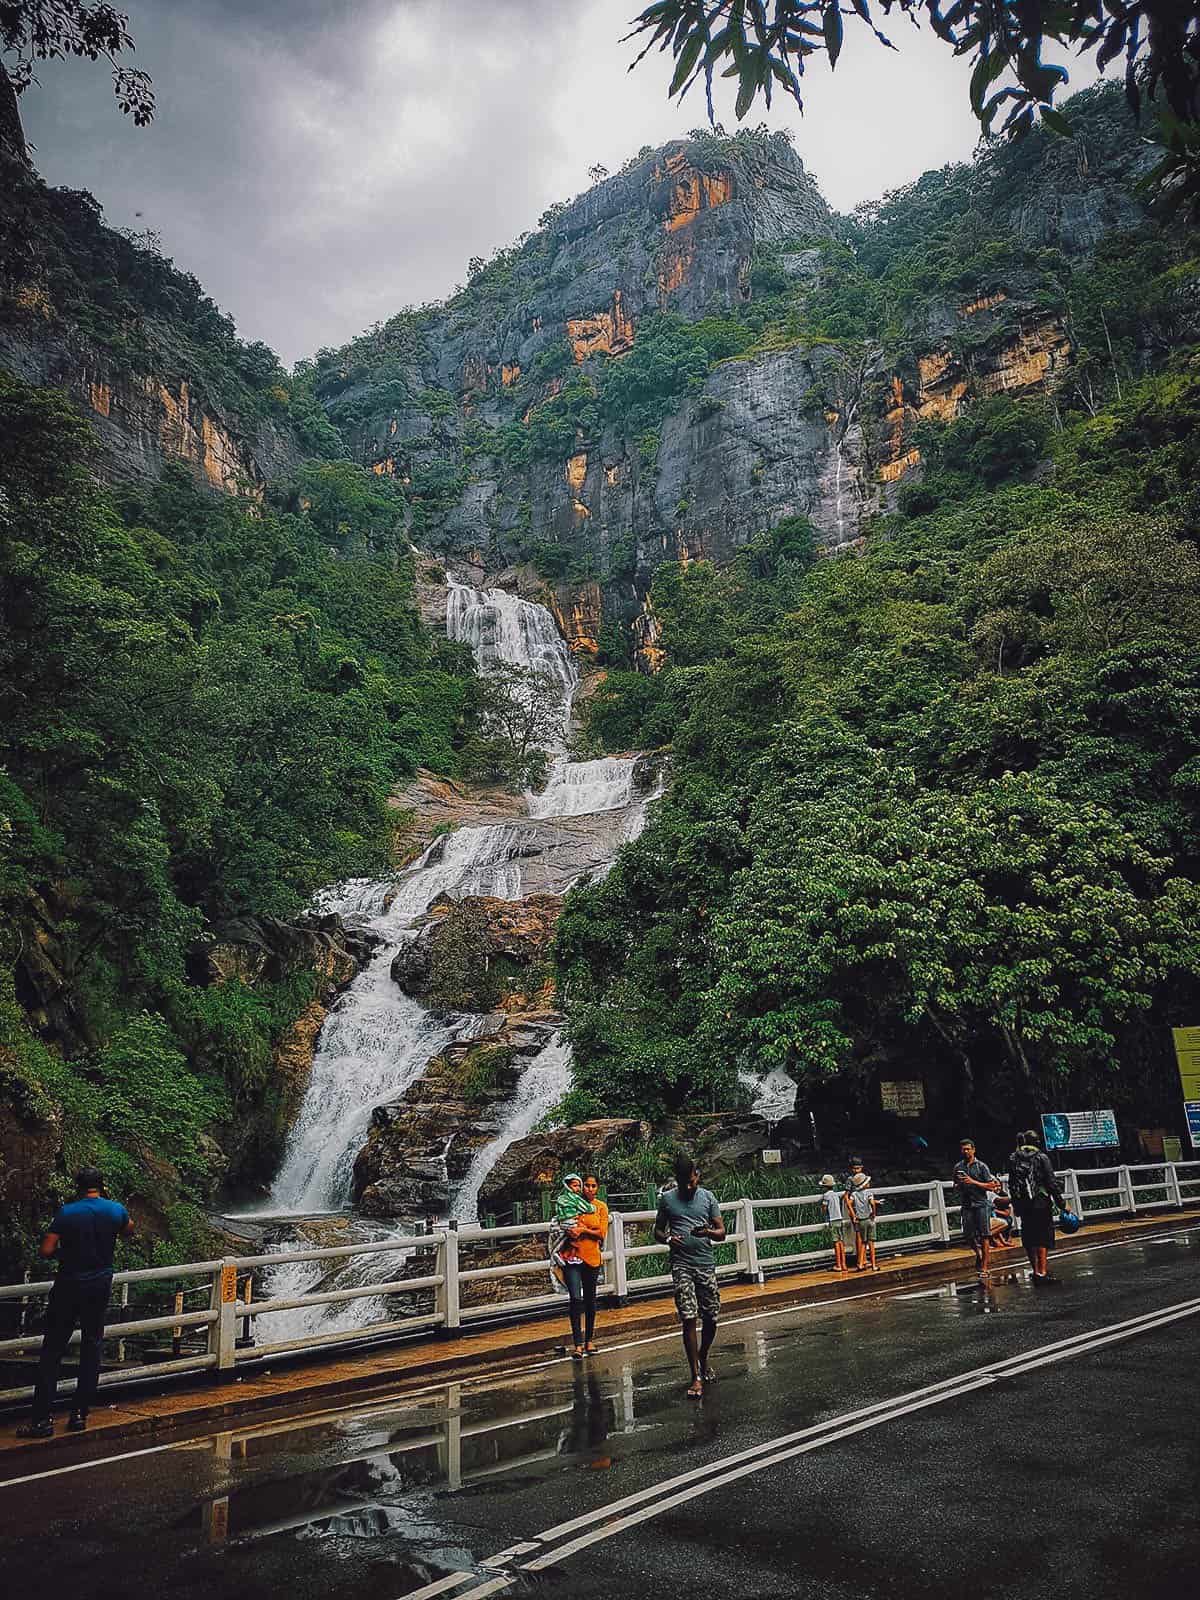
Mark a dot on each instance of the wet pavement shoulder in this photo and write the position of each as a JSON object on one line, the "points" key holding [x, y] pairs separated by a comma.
{"points": [[282, 1387]]}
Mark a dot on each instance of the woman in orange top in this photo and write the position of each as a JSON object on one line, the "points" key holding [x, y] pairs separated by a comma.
{"points": [[590, 1231]]}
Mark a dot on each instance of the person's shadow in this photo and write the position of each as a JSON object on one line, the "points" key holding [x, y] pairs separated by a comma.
{"points": [[585, 1435]]}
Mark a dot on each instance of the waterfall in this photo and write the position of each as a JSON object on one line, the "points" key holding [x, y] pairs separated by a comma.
{"points": [[543, 1083], [500, 627], [576, 788], [377, 1040], [772, 1094]]}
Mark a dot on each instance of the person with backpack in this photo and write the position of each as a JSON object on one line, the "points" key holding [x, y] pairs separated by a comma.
{"points": [[1035, 1190]]}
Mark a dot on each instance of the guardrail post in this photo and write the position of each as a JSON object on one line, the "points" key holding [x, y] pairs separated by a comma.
{"points": [[222, 1334], [1125, 1179], [1174, 1192], [616, 1247], [1072, 1191], [940, 1221], [448, 1270], [450, 1449], [246, 1337], [749, 1252], [123, 1303]]}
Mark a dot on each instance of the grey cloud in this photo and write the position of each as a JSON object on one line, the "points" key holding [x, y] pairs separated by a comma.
{"points": [[320, 165]]}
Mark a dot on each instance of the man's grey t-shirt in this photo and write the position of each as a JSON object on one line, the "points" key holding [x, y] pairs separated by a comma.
{"points": [[679, 1216], [971, 1196]]}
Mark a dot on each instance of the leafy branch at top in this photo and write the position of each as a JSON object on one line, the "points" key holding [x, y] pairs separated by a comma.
{"points": [[91, 30], [762, 43]]}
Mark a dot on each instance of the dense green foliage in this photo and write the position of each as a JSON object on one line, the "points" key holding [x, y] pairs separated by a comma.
{"points": [[204, 705], [935, 809]]}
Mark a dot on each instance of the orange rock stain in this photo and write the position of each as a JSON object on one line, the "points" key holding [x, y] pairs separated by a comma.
{"points": [[693, 192], [607, 333]]}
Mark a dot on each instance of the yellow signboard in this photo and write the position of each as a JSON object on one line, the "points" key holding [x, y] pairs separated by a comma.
{"points": [[1187, 1054], [228, 1284]]}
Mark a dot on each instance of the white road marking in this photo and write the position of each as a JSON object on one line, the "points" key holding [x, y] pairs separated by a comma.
{"points": [[497, 1375], [719, 1474], [1053, 1351], [104, 1461]]}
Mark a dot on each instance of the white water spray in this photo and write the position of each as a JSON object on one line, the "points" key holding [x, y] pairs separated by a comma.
{"points": [[543, 1083], [377, 1040]]}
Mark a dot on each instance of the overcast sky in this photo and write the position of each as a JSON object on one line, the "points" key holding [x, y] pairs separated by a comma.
{"points": [[318, 164]]}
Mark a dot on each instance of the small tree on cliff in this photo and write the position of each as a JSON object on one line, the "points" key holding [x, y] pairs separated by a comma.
{"points": [[518, 716]]}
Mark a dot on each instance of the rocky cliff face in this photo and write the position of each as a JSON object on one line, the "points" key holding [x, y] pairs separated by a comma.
{"points": [[143, 420], [674, 232], [148, 358], [820, 427]]}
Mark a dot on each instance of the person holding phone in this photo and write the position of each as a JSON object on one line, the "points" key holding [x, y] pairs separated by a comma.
{"points": [[689, 1223]]}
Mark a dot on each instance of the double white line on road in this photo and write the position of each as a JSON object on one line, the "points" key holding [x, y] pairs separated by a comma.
{"points": [[555, 1544]]}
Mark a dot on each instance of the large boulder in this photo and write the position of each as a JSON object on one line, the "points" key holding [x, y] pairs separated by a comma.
{"points": [[535, 1163], [254, 950], [480, 954], [420, 1147]]}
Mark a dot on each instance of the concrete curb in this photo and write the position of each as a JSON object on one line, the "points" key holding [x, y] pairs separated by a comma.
{"points": [[392, 1368]]}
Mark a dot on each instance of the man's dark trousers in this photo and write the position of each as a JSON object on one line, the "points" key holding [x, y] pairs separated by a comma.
{"points": [[72, 1300]]}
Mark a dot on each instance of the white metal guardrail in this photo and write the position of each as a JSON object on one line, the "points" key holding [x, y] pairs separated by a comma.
{"points": [[762, 1236]]}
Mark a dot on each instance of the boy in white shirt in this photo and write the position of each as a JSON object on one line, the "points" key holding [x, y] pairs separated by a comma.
{"points": [[839, 1226]]}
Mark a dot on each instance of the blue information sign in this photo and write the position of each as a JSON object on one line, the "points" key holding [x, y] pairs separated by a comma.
{"points": [[1079, 1130], [1192, 1112]]}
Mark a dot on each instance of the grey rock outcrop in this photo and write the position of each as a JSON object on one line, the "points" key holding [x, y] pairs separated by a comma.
{"points": [[535, 1163], [420, 1146], [673, 232]]}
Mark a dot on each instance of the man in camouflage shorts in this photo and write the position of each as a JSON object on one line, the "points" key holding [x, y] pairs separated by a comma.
{"points": [[689, 1223]]}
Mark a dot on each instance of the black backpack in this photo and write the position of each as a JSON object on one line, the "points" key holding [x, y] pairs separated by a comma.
{"points": [[1022, 1180]]}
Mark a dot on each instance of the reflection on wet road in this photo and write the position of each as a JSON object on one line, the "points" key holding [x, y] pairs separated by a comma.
{"points": [[421, 1492]]}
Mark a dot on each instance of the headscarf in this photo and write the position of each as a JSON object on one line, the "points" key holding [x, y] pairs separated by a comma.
{"points": [[569, 1204]]}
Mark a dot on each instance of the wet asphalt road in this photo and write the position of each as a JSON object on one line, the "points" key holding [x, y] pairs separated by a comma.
{"points": [[1076, 1477]]}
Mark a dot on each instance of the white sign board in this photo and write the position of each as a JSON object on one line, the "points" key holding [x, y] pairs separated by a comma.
{"points": [[772, 1158]]}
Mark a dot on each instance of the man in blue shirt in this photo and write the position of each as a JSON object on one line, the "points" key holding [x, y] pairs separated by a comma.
{"points": [[83, 1235], [689, 1222]]}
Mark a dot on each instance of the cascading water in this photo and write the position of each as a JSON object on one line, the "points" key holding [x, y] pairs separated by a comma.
{"points": [[772, 1095], [543, 1083], [501, 627], [378, 1040]]}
